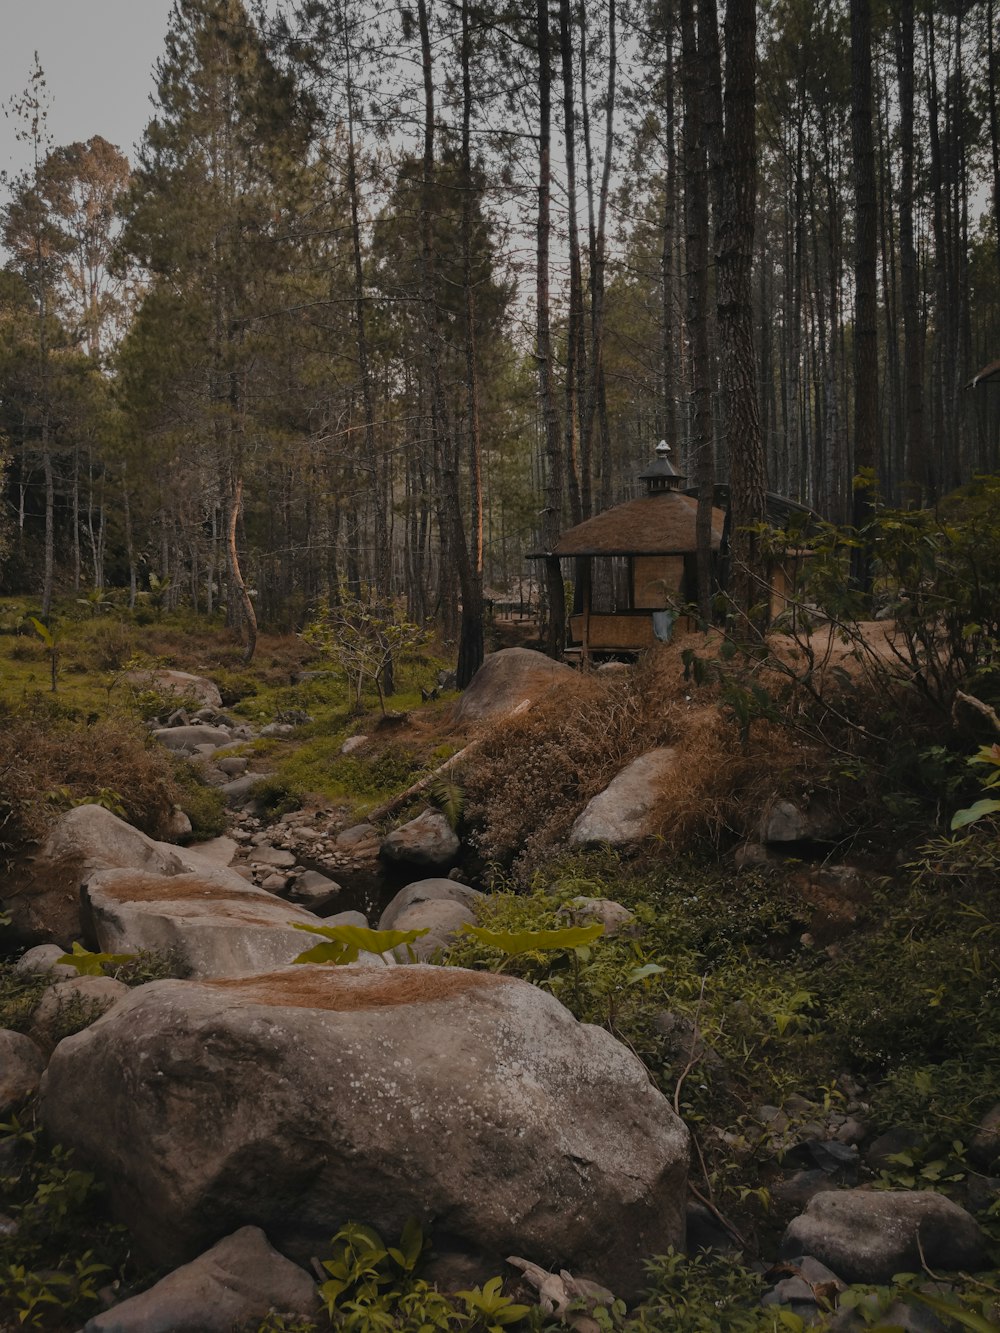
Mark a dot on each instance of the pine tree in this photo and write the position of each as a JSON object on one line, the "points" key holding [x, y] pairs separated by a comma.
{"points": [[207, 218]]}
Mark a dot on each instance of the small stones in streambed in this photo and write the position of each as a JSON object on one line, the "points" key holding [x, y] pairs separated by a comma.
{"points": [[275, 883], [314, 891], [277, 857]]}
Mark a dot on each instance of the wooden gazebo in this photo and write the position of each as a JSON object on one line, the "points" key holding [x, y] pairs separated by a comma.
{"points": [[636, 564]]}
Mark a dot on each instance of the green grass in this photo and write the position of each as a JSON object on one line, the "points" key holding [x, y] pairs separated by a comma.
{"points": [[316, 767]]}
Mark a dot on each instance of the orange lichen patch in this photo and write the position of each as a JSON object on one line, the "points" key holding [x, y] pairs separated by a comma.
{"points": [[340, 991], [177, 888]]}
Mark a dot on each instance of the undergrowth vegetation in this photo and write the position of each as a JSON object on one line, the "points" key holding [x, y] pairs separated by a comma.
{"points": [[51, 759], [63, 1245], [742, 991], [718, 988], [85, 742]]}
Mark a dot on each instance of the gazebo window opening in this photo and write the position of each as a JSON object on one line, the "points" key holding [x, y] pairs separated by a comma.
{"points": [[610, 584]]}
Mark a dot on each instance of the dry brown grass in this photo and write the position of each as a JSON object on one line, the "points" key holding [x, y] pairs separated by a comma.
{"points": [[345, 991], [534, 773], [205, 648], [47, 764]]}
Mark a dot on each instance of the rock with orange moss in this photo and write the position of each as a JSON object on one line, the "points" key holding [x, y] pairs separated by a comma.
{"points": [[217, 923], [304, 1098]]}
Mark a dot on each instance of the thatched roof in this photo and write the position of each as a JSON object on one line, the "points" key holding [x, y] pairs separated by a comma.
{"points": [[652, 525]]}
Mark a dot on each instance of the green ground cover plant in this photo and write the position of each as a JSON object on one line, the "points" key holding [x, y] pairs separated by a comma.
{"points": [[65, 1245]]}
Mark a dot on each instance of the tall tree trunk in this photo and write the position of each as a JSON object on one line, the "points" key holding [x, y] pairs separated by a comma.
{"points": [[76, 518], [735, 307], [575, 314], [992, 78], [129, 542], [696, 247], [918, 481], [382, 566], [235, 573], [470, 647], [471, 625], [865, 281], [940, 348], [48, 577], [668, 261], [556, 626], [595, 410]]}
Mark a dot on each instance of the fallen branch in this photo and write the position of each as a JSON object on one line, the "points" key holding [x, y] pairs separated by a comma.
{"points": [[389, 807]]}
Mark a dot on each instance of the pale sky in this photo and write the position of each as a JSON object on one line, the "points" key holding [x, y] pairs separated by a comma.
{"points": [[98, 58]]}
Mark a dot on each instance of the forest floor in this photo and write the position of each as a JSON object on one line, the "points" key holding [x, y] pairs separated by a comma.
{"points": [[772, 1021]]}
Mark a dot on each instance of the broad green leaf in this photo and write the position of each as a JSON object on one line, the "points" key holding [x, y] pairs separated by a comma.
{"points": [[967, 1318], [43, 632], [92, 964], [515, 942], [647, 970], [411, 1244], [963, 817], [344, 944]]}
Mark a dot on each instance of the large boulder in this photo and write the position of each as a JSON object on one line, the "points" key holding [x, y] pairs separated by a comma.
{"points": [[218, 851], [45, 905], [234, 1284], [443, 922], [984, 1150], [428, 841], [72, 1004], [507, 681], [428, 891], [310, 1096], [219, 924], [870, 1235], [43, 961], [181, 683], [21, 1068], [625, 812]]}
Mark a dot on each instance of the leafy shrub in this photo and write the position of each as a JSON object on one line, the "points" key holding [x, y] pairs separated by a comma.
{"points": [[277, 796], [114, 644], [317, 766], [686, 954], [939, 1021], [20, 993], [374, 1285], [65, 1246], [362, 637], [533, 773], [72, 1014], [706, 1294]]}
